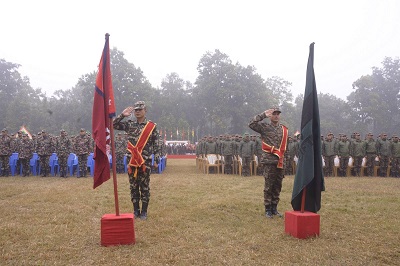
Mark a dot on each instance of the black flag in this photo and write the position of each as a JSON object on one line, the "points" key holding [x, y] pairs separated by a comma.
{"points": [[309, 173]]}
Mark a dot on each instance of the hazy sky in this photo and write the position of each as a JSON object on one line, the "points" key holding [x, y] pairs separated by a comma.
{"points": [[57, 42]]}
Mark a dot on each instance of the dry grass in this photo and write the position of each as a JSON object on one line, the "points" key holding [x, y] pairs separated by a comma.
{"points": [[196, 219]]}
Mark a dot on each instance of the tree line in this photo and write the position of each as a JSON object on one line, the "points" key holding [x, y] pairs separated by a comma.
{"points": [[223, 99]]}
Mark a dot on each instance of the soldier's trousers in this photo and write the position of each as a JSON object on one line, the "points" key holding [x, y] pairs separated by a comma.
{"points": [[343, 164], [357, 165], [25, 166], [120, 163], [395, 168], [139, 185], [228, 164], [82, 164], [383, 165], [44, 164], [329, 164], [370, 164], [5, 167], [246, 161], [288, 164], [273, 177], [62, 162]]}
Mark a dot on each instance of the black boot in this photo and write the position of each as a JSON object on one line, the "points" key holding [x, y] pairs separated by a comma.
{"points": [[136, 210], [143, 214], [274, 211], [268, 212]]}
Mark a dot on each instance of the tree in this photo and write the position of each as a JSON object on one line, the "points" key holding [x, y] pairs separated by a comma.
{"points": [[376, 98], [227, 95]]}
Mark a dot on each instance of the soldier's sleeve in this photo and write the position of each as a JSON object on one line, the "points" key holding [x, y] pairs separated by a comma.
{"points": [[254, 123], [118, 124], [156, 145], [378, 148]]}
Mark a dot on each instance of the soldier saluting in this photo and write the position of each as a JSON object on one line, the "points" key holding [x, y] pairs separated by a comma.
{"points": [[142, 143], [274, 138]]}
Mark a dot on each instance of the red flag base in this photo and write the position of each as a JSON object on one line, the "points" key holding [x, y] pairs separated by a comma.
{"points": [[117, 230], [302, 224]]}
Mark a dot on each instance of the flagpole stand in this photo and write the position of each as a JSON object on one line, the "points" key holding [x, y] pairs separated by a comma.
{"points": [[117, 229], [302, 224]]}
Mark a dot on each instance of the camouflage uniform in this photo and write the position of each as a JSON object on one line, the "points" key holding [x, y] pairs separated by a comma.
{"points": [[210, 146], [63, 149], [370, 148], [140, 185], [343, 151], [272, 135], [15, 147], [45, 147], [329, 153], [358, 152], [82, 149], [246, 152], [5, 152], [395, 156], [382, 149], [227, 152], [120, 151], [25, 152]]}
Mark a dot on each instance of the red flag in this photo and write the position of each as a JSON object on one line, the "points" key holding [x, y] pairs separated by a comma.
{"points": [[103, 110]]}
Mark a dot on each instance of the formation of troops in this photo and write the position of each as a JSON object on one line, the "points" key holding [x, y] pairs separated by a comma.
{"points": [[44, 145], [363, 154], [366, 153], [343, 151]]}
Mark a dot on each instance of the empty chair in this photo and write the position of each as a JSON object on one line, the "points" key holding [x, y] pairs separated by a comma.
{"points": [[34, 164], [211, 161], [53, 163], [13, 163], [90, 164], [72, 163]]}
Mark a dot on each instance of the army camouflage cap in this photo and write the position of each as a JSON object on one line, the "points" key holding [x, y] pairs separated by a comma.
{"points": [[139, 105], [276, 109], [83, 130], [4, 130]]}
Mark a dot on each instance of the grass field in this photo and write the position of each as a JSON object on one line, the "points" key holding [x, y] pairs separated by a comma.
{"points": [[196, 219]]}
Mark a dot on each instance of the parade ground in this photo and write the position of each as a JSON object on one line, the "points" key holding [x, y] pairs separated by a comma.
{"points": [[196, 219]]}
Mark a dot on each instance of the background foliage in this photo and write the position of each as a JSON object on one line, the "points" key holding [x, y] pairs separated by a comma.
{"points": [[224, 97]]}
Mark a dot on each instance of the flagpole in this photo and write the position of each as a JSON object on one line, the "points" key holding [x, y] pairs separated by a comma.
{"points": [[114, 167], [303, 199]]}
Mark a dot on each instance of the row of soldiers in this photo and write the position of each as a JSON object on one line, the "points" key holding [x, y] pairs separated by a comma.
{"points": [[246, 147], [383, 150], [45, 145]]}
